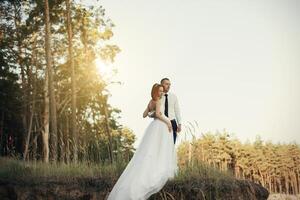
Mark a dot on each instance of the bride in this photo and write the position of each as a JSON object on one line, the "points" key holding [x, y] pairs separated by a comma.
{"points": [[155, 160]]}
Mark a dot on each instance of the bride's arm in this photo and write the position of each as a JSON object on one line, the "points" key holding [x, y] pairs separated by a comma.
{"points": [[161, 117], [145, 114]]}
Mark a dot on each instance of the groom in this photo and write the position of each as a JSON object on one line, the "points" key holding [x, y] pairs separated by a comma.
{"points": [[172, 110]]}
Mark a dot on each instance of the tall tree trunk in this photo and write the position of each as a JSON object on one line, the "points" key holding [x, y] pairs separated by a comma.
{"points": [[53, 132], [25, 155], [22, 70], [34, 148], [67, 140], [86, 61], [45, 131], [1, 133], [73, 79], [110, 150], [31, 87]]}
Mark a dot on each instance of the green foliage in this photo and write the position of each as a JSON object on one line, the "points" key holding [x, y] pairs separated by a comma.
{"points": [[23, 79], [274, 166]]}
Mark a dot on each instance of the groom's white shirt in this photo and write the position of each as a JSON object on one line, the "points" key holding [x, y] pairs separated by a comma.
{"points": [[173, 107]]}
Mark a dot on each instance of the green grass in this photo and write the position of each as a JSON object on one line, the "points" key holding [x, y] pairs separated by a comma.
{"points": [[84, 174], [201, 170], [17, 169], [11, 168]]}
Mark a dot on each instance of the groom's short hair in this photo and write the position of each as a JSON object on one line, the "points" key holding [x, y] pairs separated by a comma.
{"points": [[164, 79]]}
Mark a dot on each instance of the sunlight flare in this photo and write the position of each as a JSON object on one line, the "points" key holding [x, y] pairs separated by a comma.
{"points": [[104, 69]]}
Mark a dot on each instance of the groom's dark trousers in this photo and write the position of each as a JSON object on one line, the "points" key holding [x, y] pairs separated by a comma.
{"points": [[174, 126]]}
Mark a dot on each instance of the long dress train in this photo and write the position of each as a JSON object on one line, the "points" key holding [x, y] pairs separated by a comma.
{"points": [[152, 165]]}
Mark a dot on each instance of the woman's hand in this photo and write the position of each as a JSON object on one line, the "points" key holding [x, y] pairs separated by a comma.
{"points": [[147, 110]]}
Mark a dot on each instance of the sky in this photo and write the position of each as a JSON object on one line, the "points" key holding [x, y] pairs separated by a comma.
{"points": [[233, 64]]}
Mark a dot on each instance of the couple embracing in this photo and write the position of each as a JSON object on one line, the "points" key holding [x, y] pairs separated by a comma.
{"points": [[155, 160]]}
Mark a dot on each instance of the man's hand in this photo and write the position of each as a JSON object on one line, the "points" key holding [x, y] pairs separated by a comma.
{"points": [[170, 126], [179, 128]]}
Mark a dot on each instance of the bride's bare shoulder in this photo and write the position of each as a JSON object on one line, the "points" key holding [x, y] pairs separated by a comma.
{"points": [[151, 104]]}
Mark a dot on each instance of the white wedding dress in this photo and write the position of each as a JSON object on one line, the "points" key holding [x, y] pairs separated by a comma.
{"points": [[152, 165]]}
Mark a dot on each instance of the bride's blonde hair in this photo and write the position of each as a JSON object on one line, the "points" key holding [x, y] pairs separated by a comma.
{"points": [[155, 91]]}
